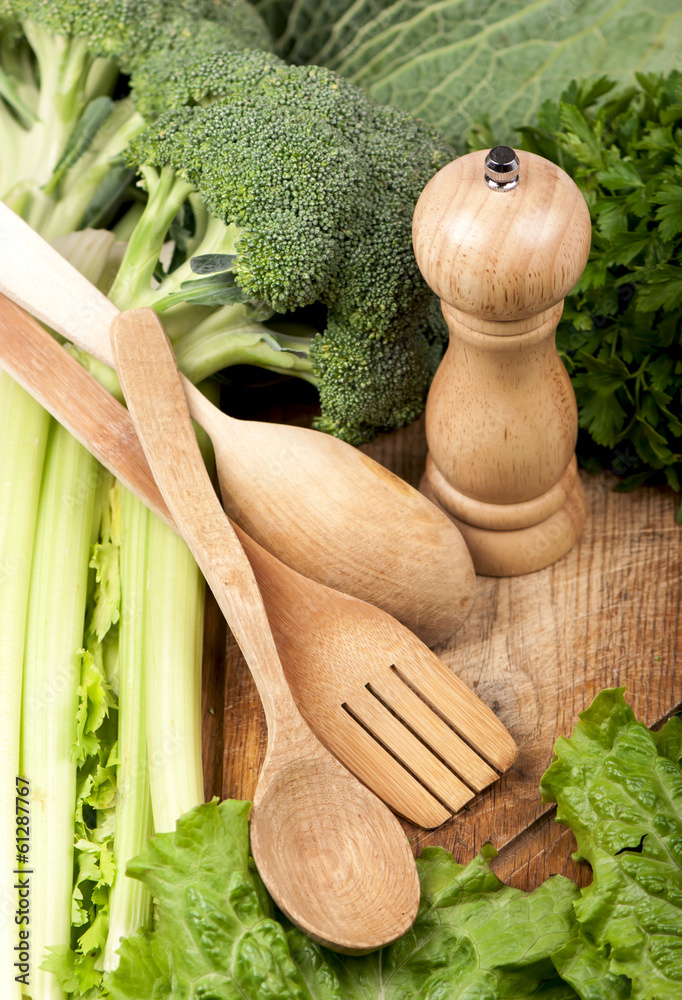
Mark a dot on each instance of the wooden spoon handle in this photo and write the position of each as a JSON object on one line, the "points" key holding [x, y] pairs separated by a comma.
{"points": [[156, 400], [66, 390]]}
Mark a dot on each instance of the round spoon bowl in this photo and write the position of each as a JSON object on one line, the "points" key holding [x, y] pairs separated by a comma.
{"points": [[297, 841]]}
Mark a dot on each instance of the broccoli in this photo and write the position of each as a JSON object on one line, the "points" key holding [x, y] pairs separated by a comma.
{"points": [[62, 135], [280, 187], [320, 184]]}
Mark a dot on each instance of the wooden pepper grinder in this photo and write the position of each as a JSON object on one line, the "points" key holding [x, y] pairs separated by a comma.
{"points": [[502, 238]]}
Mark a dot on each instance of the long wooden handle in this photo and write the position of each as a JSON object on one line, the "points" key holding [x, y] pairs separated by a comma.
{"points": [[156, 400], [65, 389], [34, 275], [59, 383]]}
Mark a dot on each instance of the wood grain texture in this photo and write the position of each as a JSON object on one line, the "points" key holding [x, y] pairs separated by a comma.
{"points": [[331, 855], [332, 646], [501, 415], [254, 461], [501, 255], [537, 649]]}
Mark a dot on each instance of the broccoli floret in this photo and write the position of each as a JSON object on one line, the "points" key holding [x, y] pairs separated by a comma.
{"points": [[321, 183], [367, 384], [288, 180], [117, 28], [62, 134]]}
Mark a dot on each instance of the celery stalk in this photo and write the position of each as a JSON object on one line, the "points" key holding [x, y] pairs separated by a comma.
{"points": [[129, 900], [173, 644], [23, 435], [55, 625]]}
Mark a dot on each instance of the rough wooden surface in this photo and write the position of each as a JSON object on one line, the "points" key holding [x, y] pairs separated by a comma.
{"points": [[537, 649]]}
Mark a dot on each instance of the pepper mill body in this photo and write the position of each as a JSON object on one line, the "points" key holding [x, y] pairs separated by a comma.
{"points": [[502, 248]]}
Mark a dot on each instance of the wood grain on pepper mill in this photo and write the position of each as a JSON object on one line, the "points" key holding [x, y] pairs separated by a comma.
{"points": [[501, 417]]}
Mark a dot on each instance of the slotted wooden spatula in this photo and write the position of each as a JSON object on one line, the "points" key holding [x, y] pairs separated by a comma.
{"points": [[375, 695]]}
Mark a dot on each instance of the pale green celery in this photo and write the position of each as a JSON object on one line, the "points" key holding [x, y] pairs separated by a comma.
{"points": [[55, 623], [130, 901], [23, 435], [173, 655]]}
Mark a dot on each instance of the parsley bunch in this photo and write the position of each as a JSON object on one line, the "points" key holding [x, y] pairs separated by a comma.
{"points": [[621, 333]]}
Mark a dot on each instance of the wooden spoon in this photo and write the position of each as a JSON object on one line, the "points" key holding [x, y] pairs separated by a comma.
{"points": [[330, 853], [354, 671], [319, 505]]}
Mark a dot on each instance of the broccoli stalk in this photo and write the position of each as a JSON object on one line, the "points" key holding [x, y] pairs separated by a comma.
{"points": [[320, 184], [62, 135], [311, 184], [205, 314]]}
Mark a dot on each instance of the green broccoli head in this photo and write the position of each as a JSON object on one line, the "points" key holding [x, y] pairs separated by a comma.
{"points": [[186, 66], [130, 31], [116, 28], [322, 183], [367, 385], [286, 179]]}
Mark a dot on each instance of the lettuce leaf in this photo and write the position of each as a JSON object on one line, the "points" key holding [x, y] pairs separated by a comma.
{"points": [[453, 62], [619, 787], [217, 935]]}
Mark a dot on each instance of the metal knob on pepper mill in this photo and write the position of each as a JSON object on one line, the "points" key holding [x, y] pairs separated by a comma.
{"points": [[502, 238]]}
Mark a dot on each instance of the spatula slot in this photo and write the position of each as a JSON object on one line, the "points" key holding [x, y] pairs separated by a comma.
{"points": [[450, 699], [431, 729], [357, 748], [408, 749]]}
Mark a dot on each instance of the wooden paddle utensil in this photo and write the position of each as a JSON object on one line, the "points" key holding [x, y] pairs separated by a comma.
{"points": [[332, 856], [315, 502], [361, 680]]}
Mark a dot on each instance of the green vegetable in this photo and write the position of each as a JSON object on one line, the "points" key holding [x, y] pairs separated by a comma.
{"points": [[620, 334], [22, 451], [61, 134], [450, 63], [51, 675], [217, 933], [291, 175], [619, 787], [316, 186], [129, 904]]}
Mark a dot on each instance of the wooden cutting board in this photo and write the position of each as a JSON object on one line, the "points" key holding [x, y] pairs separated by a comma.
{"points": [[536, 648]]}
